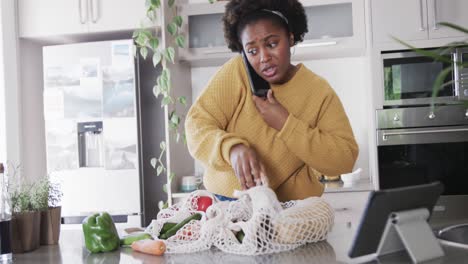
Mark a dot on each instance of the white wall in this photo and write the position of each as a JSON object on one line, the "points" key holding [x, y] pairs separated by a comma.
{"points": [[10, 94], [347, 76]]}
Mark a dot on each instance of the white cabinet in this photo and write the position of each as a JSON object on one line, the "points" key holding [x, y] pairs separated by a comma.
{"points": [[412, 20], [203, 30], [64, 17], [453, 11], [52, 17], [112, 15], [336, 29]]}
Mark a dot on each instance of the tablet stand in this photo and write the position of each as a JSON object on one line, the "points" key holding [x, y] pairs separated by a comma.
{"points": [[409, 230]]}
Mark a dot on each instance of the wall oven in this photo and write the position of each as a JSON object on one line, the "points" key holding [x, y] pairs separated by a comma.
{"points": [[417, 145], [409, 78]]}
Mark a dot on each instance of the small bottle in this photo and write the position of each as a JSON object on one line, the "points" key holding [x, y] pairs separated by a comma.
{"points": [[5, 220]]}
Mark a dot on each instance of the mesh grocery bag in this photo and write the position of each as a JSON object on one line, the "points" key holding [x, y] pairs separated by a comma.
{"points": [[257, 223]]}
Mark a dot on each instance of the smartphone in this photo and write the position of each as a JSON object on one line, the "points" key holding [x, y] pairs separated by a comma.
{"points": [[258, 85]]}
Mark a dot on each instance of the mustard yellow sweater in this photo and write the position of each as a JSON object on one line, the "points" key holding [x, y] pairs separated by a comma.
{"points": [[316, 136]]}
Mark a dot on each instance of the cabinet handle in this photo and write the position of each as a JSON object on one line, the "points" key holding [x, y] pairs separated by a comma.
{"points": [[317, 44], [216, 51], [436, 22], [385, 135], [421, 16], [94, 10], [84, 18]]}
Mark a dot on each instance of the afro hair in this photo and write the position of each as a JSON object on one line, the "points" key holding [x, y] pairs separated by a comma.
{"points": [[239, 13]]}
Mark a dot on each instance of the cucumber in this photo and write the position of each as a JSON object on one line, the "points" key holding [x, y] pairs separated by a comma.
{"points": [[240, 236], [176, 228], [166, 227], [129, 239]]}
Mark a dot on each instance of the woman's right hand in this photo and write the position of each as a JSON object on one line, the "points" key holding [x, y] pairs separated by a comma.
{"points": [[247, 166]]}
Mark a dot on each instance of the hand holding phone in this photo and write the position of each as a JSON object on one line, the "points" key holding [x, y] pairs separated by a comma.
{"points": [[258, 85]]}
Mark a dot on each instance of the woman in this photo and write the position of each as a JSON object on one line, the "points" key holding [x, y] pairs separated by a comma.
{"points": [[299, 129]]}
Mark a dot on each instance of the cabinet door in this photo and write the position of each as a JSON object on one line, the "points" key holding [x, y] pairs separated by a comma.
{"points": [[403, 19], [336, 29], [203, 29], [113, 15], [51, 17], [453, 11]]}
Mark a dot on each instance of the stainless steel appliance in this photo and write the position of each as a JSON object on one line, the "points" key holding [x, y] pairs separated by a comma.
{"points": [[409, 78], [103, 125], [416, 145]]}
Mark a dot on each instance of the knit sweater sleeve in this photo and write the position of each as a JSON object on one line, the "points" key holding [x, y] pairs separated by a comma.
{"points": [[329, 146], [207, 121]]}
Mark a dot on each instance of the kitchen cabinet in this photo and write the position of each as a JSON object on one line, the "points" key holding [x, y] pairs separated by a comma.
{"points": [[65, 17], [336, 29], [412, 20]]}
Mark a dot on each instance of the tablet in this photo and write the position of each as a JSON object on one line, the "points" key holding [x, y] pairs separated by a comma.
{"points": [[381, 204]]}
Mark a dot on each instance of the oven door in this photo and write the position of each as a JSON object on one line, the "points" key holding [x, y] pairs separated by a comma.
{"points": [[423, 155], [409, 79]]}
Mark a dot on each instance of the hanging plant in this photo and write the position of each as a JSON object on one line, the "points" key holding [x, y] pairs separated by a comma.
{"points": [[147, 39]]}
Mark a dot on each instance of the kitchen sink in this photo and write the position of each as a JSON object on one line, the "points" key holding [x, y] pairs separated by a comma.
{"points": [[455, 235]]}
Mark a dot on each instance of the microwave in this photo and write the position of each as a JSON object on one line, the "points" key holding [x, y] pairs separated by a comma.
{"points": [[409, 78]]}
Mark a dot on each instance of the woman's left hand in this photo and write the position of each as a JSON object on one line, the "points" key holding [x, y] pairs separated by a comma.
{"points": [[274, 114]]}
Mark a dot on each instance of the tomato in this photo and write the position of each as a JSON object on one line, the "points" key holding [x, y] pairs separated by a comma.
{"points": [[203, 202]]}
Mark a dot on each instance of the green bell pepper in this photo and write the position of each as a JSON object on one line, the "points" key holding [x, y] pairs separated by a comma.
{"points": [[100, 233]]}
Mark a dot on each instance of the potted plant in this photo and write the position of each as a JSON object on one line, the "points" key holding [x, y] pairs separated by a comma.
{"points": [[26, 219], [50, 196]]}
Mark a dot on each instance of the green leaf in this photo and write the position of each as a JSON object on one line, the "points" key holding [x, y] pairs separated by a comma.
{"points": [[153, 162], [171, 177], [170, 2], [156, 3], [177, 20], [156, 58], [211, 1], [154, 43], [162, 145], [175, 119], [166, 74], [165, 101], [135, 33], [141, 39], [438, 84], [156, 91], [144, 52], [427, 53], [169, 54], [453, 26], [180, 41], [161, 205], [182, 100], [159, 170], [164, 81], [165, 188], [172, 28], [184, 137]]}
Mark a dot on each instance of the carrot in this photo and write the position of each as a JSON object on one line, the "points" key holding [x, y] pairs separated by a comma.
{"points": [[148, 246]]}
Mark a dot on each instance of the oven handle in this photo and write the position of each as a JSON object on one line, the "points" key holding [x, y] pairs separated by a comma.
{"points": [[385, 135]]}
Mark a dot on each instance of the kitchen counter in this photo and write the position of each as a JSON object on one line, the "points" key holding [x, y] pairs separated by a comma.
{"points": [[333, 250], [357, 186]]}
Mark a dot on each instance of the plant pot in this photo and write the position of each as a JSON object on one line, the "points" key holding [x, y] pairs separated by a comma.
{"points": [[26, 231], [50, 226]]}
